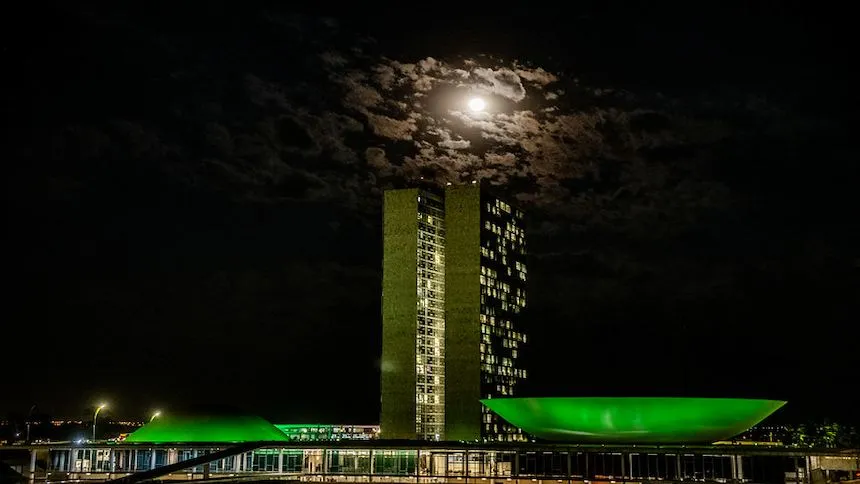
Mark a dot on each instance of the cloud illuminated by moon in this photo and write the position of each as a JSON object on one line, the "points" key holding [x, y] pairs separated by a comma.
{"points": [[477, 104]]}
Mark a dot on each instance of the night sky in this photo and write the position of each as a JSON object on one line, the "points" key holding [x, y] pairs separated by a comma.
{"points": [[193, 199]]}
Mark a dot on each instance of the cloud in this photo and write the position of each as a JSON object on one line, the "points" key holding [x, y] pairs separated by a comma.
{"points": [[446, 141], [384, 75], [429, 64], [333, 59], [537, 76], [359, 95], [376, 158], [503, 82], [391, 128], [586, 163]]}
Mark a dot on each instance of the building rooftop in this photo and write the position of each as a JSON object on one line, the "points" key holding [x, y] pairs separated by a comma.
{"points": [[633, 419], [207, 426]]}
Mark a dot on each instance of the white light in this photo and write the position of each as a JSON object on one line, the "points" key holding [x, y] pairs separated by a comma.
{"points": [[477, 104]]}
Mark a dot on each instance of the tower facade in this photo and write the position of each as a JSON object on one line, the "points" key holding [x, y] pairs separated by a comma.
{"points": [[454, 279]]}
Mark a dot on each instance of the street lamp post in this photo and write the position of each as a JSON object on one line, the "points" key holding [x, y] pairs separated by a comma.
{"points": [[95, 417]]}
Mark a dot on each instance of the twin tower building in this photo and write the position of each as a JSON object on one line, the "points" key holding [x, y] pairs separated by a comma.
{"points": [[453, 295]]}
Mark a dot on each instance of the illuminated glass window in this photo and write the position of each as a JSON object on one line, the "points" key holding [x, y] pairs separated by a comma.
{"points": [[430, 348]]}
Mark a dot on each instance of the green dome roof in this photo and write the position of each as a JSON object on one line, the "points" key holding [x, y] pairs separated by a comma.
{"points": [[206, 427], [633, 420]]}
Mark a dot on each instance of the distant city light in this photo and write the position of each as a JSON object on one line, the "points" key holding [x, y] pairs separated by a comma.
{"points": [[477, 104]]}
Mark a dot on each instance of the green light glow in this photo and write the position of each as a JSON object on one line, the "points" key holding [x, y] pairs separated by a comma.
{"points": [[169, 428], [633, 420]]}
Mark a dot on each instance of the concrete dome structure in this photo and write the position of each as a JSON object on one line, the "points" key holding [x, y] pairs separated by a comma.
{"points": [[633, 420], [207, 425]]}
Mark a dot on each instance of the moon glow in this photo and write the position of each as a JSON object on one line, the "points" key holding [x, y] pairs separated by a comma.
{"points": [[477, 104]]}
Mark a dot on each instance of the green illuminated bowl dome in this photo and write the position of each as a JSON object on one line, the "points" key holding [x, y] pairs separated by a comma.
{"points": [[633, 420], [207, 426]]}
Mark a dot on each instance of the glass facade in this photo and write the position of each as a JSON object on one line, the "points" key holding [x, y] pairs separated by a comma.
{"points": [[314, 432], [503, 298], [430, 325], [518, 464]]}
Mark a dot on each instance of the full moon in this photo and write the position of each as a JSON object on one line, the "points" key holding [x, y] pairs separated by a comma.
{"points": [[477, 104]]}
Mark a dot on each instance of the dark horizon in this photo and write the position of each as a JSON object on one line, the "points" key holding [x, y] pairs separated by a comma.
{"points": [[194, 203]]}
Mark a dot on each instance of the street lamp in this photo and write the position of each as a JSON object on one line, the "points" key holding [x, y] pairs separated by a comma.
{"points": [[155, 415], [95, 417]]}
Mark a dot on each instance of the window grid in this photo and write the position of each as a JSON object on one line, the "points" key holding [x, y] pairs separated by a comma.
{"points": [[430, 340], [503, 297]]}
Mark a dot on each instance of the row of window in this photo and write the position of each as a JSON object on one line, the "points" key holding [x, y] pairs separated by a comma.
{"points": [[489, 379], [488, 356], [431, 265], [495, 283], [496, 360], [489, 272], [430, 351], [431, 201], [514, 307], [425, 369], [490, 320], [503, 370], [430, 379], [428, 256], [431, 274], [430, 402], [421, 292], [502, 333], [515, 232], [430, 303], [497, 207], [431, 219], [428, 229], [431, 247]]}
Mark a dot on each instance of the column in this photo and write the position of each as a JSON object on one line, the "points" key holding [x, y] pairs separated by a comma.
{"points": [[281, 460], [237, 462], [515, 472], [678, 467], [737, 468], [466, 463], [151, 458], [586, 475], [796, 471], [624, 467], [61, 466], [32, 465], [569, 467]]}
